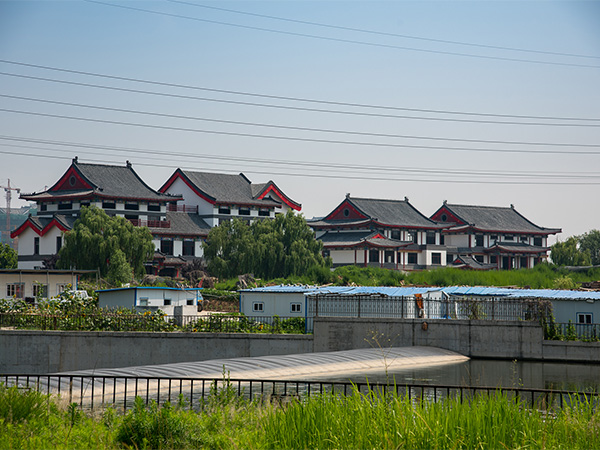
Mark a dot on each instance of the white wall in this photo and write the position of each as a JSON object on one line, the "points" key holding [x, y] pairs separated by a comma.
{"points": [[190, 198], [273, 303]]}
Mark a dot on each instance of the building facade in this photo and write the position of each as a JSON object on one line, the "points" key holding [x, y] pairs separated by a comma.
{"points": [[383, 233], [490, 237]]}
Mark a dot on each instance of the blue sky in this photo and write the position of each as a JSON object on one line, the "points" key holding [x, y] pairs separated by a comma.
{"points": [[442, 76]]}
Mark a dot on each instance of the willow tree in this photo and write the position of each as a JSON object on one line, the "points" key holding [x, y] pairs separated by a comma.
{"points": [[269, 249], [111, 245], [8, 257]]}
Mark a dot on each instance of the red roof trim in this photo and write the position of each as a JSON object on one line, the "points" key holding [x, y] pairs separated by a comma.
{"points": [[179, 175], [451, 217], [354, 212], [63, 183], [281, 195], [40, 232]]}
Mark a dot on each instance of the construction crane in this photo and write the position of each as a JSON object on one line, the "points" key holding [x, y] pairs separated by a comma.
{"points": [[8, 189]]}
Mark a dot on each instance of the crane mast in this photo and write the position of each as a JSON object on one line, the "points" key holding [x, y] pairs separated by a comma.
{"points": [[8, 189]]}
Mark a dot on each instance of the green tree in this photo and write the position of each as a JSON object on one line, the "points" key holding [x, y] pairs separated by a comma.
{"points": [[569, 253], [8, 257], [110, 244], [590, 242], [269, 249]]}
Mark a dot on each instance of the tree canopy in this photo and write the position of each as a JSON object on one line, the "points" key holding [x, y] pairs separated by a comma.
{"points": [[570, 253], [283, 247], [590, 242], [8, 257], [111, 245]]}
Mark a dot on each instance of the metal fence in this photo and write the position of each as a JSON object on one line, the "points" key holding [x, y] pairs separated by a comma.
{"points": [[377, 306], [96, 392], [214, 323], [572, 331]]}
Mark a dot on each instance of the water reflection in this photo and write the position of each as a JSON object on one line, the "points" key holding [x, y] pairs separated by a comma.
{"points": [[480, 372]]}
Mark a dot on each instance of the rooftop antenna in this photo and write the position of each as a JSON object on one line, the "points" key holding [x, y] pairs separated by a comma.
{"points": [[8, 189]]}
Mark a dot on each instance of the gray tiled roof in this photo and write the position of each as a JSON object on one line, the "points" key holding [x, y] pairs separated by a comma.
{"points": [[40, 222], [119, 182], [494, 218], [183, 224], [471, 263], [226, 188], [393, 212], [332, 239]]}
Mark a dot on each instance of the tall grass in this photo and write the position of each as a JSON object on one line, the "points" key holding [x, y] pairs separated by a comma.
{"points": [[328, 421], [370, 421]]}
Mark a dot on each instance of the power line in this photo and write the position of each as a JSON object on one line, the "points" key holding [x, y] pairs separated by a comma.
{"points": [[307, 164], [346, 41], [336, 176], [353, 113], [382, 33], [255, 124], [272, 97], [330, 141]]}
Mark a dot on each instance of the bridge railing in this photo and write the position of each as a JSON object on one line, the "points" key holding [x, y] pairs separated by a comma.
{"points": [[96, 392]]}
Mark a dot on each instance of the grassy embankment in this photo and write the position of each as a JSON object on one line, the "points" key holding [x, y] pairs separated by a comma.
{"points": [[32, 421]]}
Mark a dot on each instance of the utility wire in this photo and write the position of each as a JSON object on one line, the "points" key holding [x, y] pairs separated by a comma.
{"points": [[330, 141], [382, 33], [347, 41], [335, 176], [294, 108], [285, 98], [308, 164], [260, 125]]}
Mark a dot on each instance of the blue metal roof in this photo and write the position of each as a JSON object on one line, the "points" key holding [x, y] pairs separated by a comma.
{"points": [[487, 291]]}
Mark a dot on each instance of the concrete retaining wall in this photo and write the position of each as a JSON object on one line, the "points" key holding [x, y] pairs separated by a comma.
{"points": [[476, 339], [36, 352]]}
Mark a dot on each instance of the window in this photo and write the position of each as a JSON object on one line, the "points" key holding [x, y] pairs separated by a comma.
{"points": [[436, 259], [108, 205], [346, 212], [296, 307], [537, 241], [224, 210], [449, 258], [509, 237], [258, 307], [62, 287], [43, 207], [244, 211], [36, 245], [72, 180], [389, 256], [190, 302], [585, 318], [167, 301], [430, 238], [166, 246], [58, 243], [188, 247], [479, 240], [396, 234], [494, 259], [153, 207], [493, 239], [479, 258], [40, 290], [412, 258], [84, 204], [263, 212], [131, 217], [143, 301], [444, 218], [374, 256], [524, 239], [524, 262], [132, 206], [442, 239], [15, 290], [65, 205]]}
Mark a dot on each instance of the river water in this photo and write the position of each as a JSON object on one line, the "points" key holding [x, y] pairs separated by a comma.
{"points": [[493, 373]]}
